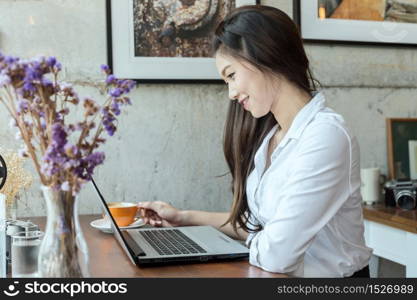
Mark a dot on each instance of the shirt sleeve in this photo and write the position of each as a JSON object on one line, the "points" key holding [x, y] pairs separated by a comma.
{"points": [[317, 186]]}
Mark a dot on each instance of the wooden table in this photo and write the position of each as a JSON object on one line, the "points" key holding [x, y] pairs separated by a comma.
{"points": [[392, 233], [107, 259]]}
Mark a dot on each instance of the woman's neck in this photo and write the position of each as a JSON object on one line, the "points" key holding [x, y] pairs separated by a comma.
{"points": [[288, 104]]}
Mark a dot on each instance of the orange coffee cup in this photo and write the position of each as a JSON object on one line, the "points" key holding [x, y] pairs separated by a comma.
{"points": [[123, 212]]}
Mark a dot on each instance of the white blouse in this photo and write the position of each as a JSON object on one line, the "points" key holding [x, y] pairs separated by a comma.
{"points": [[308, 201]]}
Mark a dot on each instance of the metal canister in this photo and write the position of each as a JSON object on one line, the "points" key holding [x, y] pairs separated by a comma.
{"points": [[13, 227]]}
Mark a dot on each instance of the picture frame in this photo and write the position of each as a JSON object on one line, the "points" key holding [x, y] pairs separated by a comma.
{"points": [[146, 50], [401, 135], [353, 21]]}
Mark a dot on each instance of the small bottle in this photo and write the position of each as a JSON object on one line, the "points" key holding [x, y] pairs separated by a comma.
{"points": [[3, 261]]}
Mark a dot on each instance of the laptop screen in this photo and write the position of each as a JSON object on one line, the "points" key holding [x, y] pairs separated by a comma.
{"points": [[116, 229]]}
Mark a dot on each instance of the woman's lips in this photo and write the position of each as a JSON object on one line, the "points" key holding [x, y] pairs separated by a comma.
{"points": [[244, 102]]}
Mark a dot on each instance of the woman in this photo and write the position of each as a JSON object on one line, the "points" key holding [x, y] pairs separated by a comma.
{"points": [[294, 162]]}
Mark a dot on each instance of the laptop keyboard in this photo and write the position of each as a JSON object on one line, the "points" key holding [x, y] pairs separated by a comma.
{"points": [[171, 242]]}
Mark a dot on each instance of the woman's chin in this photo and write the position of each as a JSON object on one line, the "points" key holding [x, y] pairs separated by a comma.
{"points": [[257, 115]]}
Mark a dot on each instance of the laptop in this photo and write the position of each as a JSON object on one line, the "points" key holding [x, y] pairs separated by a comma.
{"points": [[157, 245]]}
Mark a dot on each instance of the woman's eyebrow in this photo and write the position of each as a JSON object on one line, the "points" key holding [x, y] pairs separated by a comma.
{"points": [[224, 70]]}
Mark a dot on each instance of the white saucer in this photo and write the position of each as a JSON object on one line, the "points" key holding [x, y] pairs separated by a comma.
{"points": [[104, 225]]}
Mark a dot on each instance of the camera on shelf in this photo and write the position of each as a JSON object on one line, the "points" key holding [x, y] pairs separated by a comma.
{"points": [[401, 193]]}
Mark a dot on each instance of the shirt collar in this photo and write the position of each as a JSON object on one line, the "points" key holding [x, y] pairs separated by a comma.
{"points": [[305, 115], [301, 120]]}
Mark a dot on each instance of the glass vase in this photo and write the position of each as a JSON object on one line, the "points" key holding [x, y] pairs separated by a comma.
{"points": [[63, 252]]}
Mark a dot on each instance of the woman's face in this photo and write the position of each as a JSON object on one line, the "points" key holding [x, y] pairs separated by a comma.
{"points": [[247, 85]]}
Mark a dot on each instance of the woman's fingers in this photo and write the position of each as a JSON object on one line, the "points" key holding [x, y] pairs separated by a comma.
{"points": [[146, 213], [152, 218], [155, 206], [153, 215], [150, 211], [165, 223], [156, 223]]}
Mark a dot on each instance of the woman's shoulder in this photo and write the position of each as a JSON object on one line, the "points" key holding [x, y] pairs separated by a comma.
{"points": [[328, 128], [327, 120]]}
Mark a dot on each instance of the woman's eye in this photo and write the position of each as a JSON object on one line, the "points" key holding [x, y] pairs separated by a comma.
{"points": [[228, 77], [231, 76]]}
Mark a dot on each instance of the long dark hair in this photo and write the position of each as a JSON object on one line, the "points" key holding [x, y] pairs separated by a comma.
{"points": [[268, 39]]}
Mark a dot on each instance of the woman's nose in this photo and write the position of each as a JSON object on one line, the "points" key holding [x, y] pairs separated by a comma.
{"points": [[232, 93]]}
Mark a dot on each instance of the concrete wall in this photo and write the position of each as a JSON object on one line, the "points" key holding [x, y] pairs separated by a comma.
{"points": [[168, 146]]}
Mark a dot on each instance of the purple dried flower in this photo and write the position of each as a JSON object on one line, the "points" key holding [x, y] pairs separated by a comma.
{"points": [[57, 67], [108, 120], [110, 128], [10, 60], [22, 106], [71, 150], [115, 108], [131, 84], [51, 61], [93, 160], [87, 165], [33, 72], [29, 87], [45, 169], [116, 92], [110, 79], [46, 82], [67, 166], [126, 85], [96, 158], [105, 69], [127, 100], [59, 135], [72, 163]]}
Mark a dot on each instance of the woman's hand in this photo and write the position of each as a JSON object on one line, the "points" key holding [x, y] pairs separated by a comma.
{"points": [[160, 214]]}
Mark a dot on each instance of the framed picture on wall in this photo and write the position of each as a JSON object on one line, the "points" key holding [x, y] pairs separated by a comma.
{"points": [[363, 21], [402, 148], [165, 40]]}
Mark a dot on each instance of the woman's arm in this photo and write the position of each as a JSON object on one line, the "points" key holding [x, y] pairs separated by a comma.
{"points": [[162, 214], [215, 219]]}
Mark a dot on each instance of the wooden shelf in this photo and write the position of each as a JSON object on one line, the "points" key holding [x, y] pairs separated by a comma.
{"points": [[392, 216]]}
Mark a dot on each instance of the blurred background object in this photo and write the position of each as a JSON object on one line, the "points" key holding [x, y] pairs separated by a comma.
{"points": [[18, 180]]}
